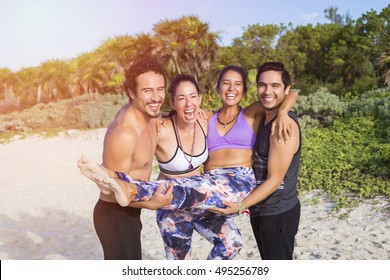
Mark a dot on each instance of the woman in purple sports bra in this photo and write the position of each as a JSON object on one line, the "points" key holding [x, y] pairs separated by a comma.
{"points": [[228, 171]]}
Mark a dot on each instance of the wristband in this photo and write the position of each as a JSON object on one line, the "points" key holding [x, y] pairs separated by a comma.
{"points": [[241, 208]]}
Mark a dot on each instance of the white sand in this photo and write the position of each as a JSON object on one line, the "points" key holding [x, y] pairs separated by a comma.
{"points": [[46, 211]]}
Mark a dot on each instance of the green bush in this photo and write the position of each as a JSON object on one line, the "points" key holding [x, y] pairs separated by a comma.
{"points": [[320, 105], [349, 159], [376, 93], [307, 123], [377, 105]]}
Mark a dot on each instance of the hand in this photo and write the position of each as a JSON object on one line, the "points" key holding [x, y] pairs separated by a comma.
{"points": [[231, 208], [159, 121], [163, 121], [202, 114], [162, 196], [283, 125]]}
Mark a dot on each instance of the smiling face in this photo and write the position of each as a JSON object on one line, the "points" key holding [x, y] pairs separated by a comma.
{"points": [[231, 88], [186, 102], [271, 89], [150, 93]]}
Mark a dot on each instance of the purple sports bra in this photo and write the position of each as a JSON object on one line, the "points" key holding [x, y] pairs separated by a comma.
{"points": [[241, 136]]}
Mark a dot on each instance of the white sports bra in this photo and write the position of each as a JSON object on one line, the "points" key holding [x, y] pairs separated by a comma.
{"points": [[178, 164]]}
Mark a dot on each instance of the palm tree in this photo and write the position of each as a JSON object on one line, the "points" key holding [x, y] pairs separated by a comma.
{"points": [[7, 80], [202, 45], [117, 50], [167, 43], [119, 53], [28, 85], [186, 45], [142, 45], [383, 60], [89, 73], [54, 76], [384, 63], [350, 65]]}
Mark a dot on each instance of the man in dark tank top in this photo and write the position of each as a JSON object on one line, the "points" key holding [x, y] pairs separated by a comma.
{"points": [[274, 205]]}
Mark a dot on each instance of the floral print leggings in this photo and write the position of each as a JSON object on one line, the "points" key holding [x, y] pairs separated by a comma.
{"points": [[188, 210]]}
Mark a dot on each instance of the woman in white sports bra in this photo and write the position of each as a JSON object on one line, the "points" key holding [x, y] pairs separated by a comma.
{"points": [[181, 151], [181, 143]]}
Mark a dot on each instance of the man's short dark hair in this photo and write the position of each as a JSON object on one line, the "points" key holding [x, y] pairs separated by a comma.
{"points": [[274, 66], [140, 66]]}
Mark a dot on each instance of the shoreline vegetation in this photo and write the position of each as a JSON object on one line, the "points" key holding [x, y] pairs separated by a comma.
{"points": [[346, 151]]}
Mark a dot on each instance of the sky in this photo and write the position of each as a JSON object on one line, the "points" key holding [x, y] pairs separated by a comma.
{"points": [[34, 31]]}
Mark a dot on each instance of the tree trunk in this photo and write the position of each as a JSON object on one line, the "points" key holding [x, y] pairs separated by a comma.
{"points": [[39, 94]]}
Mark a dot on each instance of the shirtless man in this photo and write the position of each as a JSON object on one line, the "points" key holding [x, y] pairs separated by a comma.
{"points": [[129, 147]]}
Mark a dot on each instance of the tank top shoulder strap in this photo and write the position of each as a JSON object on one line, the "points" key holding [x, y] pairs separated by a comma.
{"points": [[201, 127]]}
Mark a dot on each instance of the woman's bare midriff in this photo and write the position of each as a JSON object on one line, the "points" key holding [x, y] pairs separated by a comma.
{"points": [[163, 176], [217, 159], [229, 158]]}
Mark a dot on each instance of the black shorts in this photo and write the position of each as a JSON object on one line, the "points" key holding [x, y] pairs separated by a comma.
{"points": [[275, 235], [119, 230]]}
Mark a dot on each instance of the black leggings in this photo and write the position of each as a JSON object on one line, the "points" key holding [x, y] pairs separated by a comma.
{"points": [[119, 230], [275, 235]]}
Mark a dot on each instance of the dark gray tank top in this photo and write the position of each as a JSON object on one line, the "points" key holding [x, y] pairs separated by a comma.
{"points": [[285, 196]]}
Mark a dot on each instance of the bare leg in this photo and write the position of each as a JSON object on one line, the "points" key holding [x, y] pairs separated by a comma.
{"points": [[91, 169], [124, 192]]}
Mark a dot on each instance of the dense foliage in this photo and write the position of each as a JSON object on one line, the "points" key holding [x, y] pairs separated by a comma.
{"points": [[351, 157]]}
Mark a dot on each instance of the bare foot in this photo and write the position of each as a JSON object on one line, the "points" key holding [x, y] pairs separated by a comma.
{"points": [[124, 193], [91, 170]]}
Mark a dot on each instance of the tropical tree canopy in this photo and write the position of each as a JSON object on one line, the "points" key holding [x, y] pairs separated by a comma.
{"points": [[346, 56]]}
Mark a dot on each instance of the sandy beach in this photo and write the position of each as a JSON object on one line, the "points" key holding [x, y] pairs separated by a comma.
{"points": [[46, 211]]}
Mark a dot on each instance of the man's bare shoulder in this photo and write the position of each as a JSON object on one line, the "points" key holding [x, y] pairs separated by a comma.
{"points": [[292, 143], [121, 132], [119, 146]]}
